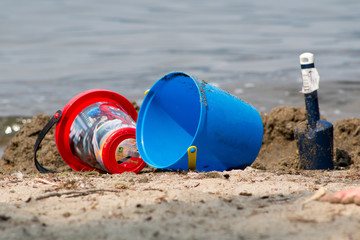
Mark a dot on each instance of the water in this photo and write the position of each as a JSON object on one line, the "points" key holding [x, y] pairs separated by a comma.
{"points": [[52, 50]]}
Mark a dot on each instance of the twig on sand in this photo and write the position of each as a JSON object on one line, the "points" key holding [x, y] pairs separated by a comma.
{"points": [[73, 192], [318, 194], [44, 181]]}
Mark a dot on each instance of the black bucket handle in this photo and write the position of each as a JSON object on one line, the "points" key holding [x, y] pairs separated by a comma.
{"points": [[56, 118]]}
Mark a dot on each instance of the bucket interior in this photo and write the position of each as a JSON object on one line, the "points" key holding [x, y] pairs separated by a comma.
{"points": [[169, 120]]}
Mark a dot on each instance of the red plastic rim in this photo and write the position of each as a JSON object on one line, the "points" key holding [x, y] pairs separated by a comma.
{"points": [[110, 147], [70, 112]]}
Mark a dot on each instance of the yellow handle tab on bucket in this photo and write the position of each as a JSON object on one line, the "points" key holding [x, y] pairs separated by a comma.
{"points": [[192, 157], [146, 92]]}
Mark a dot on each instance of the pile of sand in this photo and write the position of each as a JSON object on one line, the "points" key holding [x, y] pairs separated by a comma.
{"points": [[279, 151]]}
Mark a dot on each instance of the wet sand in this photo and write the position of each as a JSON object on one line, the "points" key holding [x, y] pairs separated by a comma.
{"points": [[268, 200]]}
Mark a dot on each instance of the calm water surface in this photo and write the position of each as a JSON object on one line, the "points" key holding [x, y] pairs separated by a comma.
{"points": [[52, 50]]}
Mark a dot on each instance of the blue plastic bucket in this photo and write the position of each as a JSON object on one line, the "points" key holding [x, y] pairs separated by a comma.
{"points": [[185, 123]]}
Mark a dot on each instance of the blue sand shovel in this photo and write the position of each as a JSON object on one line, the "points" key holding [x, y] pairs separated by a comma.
{"points": [[314, 137]]}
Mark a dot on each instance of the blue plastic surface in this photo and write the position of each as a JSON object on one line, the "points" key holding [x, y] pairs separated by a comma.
{"points": [[179, 112]]}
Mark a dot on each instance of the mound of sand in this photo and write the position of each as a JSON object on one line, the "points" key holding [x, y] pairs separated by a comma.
{"points": [[279, 151]]}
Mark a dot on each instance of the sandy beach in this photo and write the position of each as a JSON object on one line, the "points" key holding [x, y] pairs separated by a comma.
{"points": [[271, 199]]}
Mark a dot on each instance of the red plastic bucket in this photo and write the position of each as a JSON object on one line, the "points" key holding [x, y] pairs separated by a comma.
{"points": [[96, 132]]}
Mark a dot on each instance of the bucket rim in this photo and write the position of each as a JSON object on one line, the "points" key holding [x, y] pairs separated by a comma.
{"points": [[145, 106], [71, 111]]}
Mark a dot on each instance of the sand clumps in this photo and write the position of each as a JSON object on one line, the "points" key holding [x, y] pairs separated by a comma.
{"points": [[19, 152]]}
